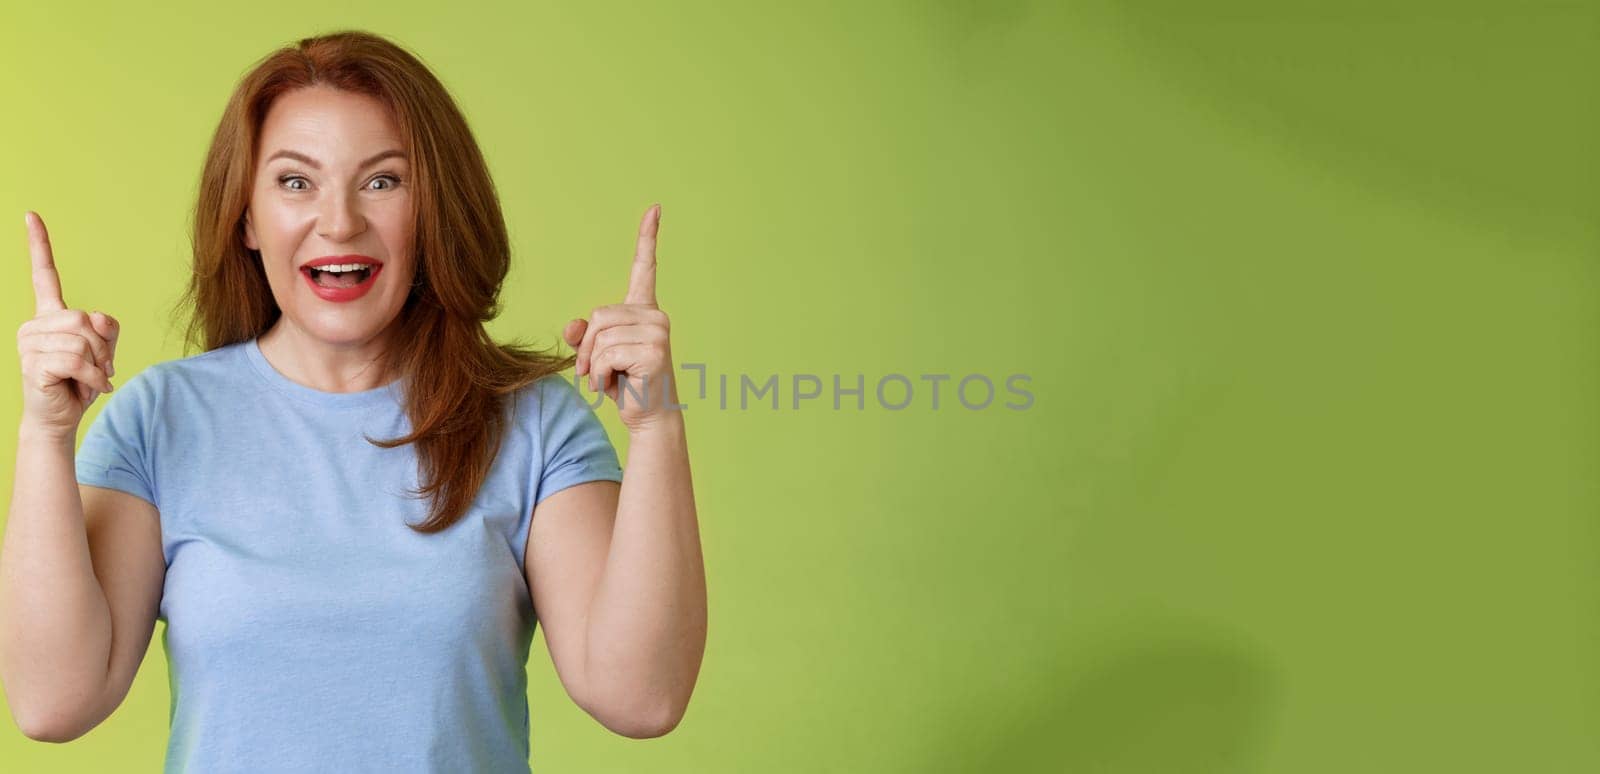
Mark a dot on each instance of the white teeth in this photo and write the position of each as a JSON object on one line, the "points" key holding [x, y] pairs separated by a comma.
{"points": [[342, 267]]}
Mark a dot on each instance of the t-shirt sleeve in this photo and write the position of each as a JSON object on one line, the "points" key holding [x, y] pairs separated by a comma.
{"points": [[574, 445], [114, 453]]}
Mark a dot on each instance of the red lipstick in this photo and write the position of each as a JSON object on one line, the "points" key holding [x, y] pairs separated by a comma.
{"points": [[342, 294]]}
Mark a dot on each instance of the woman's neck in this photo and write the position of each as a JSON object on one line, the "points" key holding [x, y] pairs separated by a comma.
{"points": [[352, 366]]}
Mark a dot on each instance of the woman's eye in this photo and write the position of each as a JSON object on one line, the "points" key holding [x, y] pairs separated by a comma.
{"points": [[289, 180]]}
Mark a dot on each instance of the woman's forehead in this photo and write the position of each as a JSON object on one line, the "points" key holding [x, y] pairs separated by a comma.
{"points": [[332, 122]]}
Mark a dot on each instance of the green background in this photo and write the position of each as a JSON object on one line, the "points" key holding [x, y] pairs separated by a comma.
{"points": [[1308, 296]]}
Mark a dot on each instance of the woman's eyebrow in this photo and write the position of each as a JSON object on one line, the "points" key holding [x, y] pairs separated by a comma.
{"points": [[311, 162]]}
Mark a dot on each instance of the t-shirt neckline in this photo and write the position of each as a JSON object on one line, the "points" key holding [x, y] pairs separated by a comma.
{"points": [[377, 396]]}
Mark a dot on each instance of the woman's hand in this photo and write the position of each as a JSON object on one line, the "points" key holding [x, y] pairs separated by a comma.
{"points": [[631, 339], [66, 353]]}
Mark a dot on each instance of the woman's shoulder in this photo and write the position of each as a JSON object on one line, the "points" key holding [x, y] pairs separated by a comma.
{"points": [[548, 396], [201, 372]]}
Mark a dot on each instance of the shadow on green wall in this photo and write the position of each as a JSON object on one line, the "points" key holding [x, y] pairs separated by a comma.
{"points": [[1173, 703]]}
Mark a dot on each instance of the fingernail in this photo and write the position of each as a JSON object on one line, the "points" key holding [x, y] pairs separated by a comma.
{"points": [[110, 387], [111, 369]]}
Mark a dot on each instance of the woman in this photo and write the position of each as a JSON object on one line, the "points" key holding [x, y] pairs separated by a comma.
{"points": [[349, 507]]}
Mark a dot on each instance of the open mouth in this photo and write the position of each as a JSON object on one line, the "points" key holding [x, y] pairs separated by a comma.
{"points": [[339, 279]]}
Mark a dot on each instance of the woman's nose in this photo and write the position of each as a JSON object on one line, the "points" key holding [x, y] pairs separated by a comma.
{"points": [[340, 218]]}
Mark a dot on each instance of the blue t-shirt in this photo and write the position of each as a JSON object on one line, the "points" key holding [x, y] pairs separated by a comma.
{"points": [[307, 627]]}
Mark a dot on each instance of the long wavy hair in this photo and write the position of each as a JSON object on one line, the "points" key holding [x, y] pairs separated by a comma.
{"points": [[455, 378]]}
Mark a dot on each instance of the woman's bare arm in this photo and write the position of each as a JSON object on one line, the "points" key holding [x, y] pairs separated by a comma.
{"points": [[55, 622], [619, 585], [80, 574], [71, 645]]}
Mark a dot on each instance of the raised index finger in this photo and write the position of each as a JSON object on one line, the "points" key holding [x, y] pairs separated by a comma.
{"points": [[642, 280], [46, 282]]}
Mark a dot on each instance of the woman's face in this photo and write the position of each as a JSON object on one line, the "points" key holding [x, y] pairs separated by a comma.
{"points": [[332, 181]]}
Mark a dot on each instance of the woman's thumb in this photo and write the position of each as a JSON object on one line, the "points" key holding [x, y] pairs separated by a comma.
{"points": [[105, 325], [574, 331]]}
